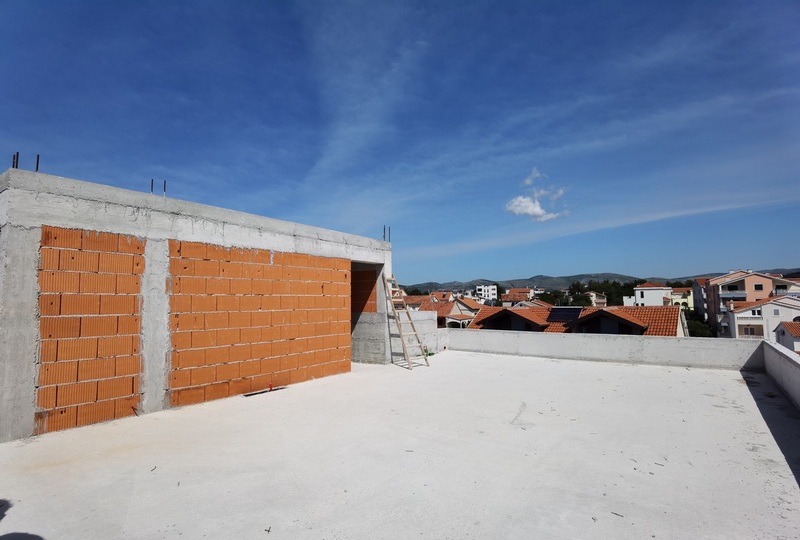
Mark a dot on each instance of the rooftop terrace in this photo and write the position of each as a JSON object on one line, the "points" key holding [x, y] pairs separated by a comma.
{"points": [[476, 446]]}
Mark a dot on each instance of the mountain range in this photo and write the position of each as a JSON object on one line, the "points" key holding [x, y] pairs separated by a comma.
{"points": [[561, 282]]}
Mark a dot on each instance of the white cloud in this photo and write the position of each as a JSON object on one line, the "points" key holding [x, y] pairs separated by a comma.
{"points": [[522, 205], [535, 175], [531, 205]]}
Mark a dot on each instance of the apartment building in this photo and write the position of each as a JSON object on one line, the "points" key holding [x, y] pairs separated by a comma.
{"points": [[742, 286], [486, 292], [758, 320]]}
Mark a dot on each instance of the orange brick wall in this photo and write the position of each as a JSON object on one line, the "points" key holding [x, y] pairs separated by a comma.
{"points": [[89, 325], [365, 295], [244, 319]]}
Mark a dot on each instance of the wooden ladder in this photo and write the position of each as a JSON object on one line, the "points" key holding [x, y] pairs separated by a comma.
{"points": [[405, 325]]}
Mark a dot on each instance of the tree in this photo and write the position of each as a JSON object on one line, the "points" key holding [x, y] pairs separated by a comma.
{"points": [[577, 288], [500, 289], [581, 300], [699, 329], [557, 298]]}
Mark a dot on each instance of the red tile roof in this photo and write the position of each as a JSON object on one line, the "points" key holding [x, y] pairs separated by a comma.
{"points": [[441, 296], [514, 297], [460, 316], [524, 313], [792, 327], [744, 306], [658, 320], [442, 309], [470, 303], [703, 281], [531, 315], [681, 290], [416, 299], [651, 285], [519, 290], [485, 312]]}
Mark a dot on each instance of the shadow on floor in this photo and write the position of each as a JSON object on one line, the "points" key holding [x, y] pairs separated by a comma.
{"points": [[5, 505], [780, 415]]}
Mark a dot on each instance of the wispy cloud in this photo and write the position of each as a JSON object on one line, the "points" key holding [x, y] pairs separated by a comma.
{"points": [[531, 205]]}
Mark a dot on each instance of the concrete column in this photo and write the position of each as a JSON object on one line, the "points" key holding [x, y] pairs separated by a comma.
{"points": [[156, 341], [19, 330]]}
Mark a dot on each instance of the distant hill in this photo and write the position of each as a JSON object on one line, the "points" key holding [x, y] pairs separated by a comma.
{"points": [[561, 282]]}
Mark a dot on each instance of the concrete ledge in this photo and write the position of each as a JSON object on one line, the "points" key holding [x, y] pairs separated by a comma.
{"points": [[32, 199], [736, 354], [783, 366]]}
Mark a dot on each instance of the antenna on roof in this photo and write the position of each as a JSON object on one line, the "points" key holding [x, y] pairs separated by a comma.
{"points": [[390, 233], [37, 162], [165, 188], [151, 186]]}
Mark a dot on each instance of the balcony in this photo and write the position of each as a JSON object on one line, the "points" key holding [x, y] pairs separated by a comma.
{"points": [[733, 295]]}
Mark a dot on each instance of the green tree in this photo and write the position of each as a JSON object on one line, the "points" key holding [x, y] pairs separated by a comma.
{"points": [[699, 329]]}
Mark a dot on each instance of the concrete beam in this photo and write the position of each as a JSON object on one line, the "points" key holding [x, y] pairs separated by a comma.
{"points": [[156, 345], [36, 199], [19, 330]]}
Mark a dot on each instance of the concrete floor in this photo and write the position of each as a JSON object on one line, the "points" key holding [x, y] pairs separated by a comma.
{"points": [[476, 446]]}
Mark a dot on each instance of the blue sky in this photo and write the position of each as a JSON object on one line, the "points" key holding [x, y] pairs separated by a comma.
{"points": [[498, 140]]}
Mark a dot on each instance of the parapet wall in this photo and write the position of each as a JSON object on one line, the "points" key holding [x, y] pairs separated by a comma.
{"points": [[783, 366], [114, 303], [666, 351]]}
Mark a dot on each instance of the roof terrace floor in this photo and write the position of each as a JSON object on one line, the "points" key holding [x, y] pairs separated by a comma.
{"points": [[476, 446]]}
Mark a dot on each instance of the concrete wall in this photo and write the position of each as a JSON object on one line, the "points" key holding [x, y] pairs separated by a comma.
{"points": [[688, 352], [211, 307], [783, 366], [371, 339], [425, 323]]}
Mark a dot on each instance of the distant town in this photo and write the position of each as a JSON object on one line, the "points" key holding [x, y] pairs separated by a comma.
{"points": [[742, 304]]}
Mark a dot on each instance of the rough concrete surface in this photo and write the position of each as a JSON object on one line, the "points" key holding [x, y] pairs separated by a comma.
{"points": [[476, 446]]}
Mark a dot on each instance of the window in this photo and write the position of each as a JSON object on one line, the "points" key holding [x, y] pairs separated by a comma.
{"points": [[776, 311], [733, 287], [780, 287], [755, 312], [751, 330], [641, 294], [759, 286]]}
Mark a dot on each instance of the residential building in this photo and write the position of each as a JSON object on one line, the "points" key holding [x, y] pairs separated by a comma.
{"points": [[487, 292], [442, 296], [598, 299], [513, 298], [743, 286], [788, 334], [529, 293], [699, 297], [682, 296], [757, 320], [649, 294]]}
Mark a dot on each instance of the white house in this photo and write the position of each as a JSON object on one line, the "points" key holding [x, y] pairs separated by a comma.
{"points": [[598, 299], [649, 294], [487, 292], [758, 320], [788, 334]]}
